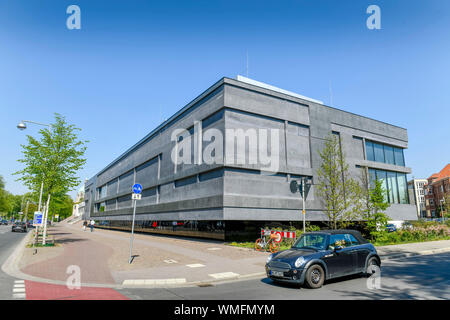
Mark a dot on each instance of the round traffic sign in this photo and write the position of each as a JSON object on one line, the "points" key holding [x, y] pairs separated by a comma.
{"points": [[137, 188]]}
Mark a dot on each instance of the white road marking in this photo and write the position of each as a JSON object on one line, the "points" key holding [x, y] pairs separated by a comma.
{"points": [[195, 265], [213, 249], [170, 261], [19, 289], [224, 275], [146, 282]]}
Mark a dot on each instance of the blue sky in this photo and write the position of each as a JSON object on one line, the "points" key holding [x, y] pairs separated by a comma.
{"points": [[134, 63]]}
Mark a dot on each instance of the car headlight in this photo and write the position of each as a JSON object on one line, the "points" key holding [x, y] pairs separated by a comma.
{"points": [[268, 259], [299, 262]]}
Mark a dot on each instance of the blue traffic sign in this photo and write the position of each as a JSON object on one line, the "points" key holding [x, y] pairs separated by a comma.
{"points": [[137, 188], [37, 221]]}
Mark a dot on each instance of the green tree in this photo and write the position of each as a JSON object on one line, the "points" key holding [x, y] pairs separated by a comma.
{"points": [[54, 159], [335, 187], [376, 218], [62, 206], [5, 199]]}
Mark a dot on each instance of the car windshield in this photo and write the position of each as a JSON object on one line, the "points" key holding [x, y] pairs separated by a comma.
{"points": [[311, 241]]}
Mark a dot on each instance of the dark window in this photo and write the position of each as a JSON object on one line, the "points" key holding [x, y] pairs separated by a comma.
{"points": [[211, 175], [399, 159], [389, 154], [185, 181], [369, 151], [149, 192], [379, 152], [147, 164], [212, 118]]}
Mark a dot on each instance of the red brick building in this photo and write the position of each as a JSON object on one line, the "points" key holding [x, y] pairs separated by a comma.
{"points": [[437, 193]]}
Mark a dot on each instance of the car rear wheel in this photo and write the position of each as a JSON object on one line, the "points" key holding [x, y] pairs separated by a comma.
{"points": [[315, 276]]}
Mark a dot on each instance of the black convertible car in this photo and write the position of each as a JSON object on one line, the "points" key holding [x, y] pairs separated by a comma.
{"points": [[322, 255]]}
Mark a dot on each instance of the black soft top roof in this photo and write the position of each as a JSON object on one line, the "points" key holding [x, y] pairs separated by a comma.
{"points": [[355, 233]]}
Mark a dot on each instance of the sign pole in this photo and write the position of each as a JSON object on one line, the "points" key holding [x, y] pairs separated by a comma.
{"points": [[132, 233], [303, 207]]}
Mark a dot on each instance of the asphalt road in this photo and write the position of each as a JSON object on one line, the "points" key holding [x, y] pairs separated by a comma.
{"points": [[8, 242], [420, 277]]}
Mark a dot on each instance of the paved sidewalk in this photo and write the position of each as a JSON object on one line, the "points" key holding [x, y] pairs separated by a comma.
{"points": [[160, 261], [102, 256]]}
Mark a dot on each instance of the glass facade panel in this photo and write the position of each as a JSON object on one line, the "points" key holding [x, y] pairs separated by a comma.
{"points": [[381, 175], [393, 182], [393, 188], [402, 188], [399, 159], [372, 177], [389, 154], [383, 153], [378, 152], [369, 151]]}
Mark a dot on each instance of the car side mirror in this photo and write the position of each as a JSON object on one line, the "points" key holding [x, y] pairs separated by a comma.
{"points": [[337, 248]]}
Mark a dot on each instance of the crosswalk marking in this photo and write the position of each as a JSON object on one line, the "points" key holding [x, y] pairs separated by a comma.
{"points": [[19, 290]]}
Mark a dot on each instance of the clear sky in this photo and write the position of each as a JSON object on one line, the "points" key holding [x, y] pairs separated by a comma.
{"points": [[134, 63]]}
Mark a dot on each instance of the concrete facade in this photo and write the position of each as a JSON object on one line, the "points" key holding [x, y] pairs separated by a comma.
{"points": [[226, 191]]}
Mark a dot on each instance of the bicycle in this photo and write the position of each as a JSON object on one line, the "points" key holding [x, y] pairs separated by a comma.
{"points": [[262, 244]]}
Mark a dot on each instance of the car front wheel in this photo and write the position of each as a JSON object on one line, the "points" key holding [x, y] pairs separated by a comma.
{"points": [[315, 276]]}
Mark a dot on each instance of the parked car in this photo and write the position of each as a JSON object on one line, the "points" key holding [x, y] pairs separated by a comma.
{"points": [[391, 227], [19, 226], [407, 226], [323, 255], [4, 222]]}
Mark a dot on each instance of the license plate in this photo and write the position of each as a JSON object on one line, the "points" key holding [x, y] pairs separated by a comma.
{"points": [[277, 273]]}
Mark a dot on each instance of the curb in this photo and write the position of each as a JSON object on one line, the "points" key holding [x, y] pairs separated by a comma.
{"points": [[10, 267], [412, 254]]}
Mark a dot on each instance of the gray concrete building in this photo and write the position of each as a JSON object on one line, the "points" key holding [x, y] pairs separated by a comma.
{"points": [[246, 141]]}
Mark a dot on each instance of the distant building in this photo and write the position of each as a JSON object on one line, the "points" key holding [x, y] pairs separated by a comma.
{"points": [[436, 192], [78, 207], [416, 189]]}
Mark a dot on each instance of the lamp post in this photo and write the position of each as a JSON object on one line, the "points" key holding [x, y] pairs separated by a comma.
{"points": [[22, 126]]}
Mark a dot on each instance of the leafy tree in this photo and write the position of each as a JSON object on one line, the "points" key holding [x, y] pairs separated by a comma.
{"points": [[54, 159], [5, 198], [62, 206], [377, 219], [335, 187]]}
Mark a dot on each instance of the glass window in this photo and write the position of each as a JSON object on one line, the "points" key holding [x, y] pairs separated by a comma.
{"points": [[349, 237], [393, 188], [389, 154], [372, 177], [381, 175], [378, 152], [399, 159], [369, 151], [402, 188], [314, 241], [185, 181], [338, 240]]}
